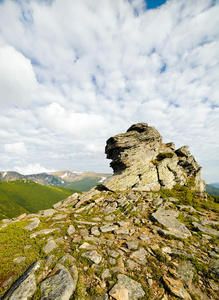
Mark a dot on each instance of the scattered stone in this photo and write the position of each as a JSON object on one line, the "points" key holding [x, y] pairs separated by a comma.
{"points": [[8, 282], [205, 229], [19, 259], [132, 245], [106, 274], [33, 224], [84, 232], [113, 253], [131, 264], [25, 286], [214, 266], [139, 256], [176, 288], [95, 231], [125, 284], [119, 292], [71, 230], [112, 261], [93, 255], [44, 231], [86, 196], [50, 246], [144, 237], [185, 271], [173, 225], [121, 231], [59, 286], [87, 246], [60, 217], [109, 227], [47, 213], [28, 247]]}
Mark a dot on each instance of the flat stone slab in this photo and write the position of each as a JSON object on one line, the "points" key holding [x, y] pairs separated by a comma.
{"points": [[173, 225], [176, 288], [93, 255], [44, 231], [50, 246], [60, 286], [109, 228], [33, 224], [125, 284], [25, 286], [205, 229], [60, 217], [71, 230]]}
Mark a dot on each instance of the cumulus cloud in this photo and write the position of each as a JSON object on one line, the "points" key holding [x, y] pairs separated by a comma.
{"points": [[17, 78], [31, 169], [89, 69]]}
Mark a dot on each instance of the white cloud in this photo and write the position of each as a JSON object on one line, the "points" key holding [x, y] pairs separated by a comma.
{"points": [[31, 169], [17, 78], [102, 66], [18, 149]]}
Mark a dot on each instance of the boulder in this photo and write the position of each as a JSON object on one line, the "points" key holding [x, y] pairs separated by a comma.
{"points": [[141, 161]]}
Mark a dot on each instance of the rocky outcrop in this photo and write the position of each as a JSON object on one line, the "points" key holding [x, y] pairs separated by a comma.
{"points": [[142, 162]]}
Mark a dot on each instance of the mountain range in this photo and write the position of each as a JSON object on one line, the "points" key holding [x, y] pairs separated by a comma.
{"points": [[82, 181]]}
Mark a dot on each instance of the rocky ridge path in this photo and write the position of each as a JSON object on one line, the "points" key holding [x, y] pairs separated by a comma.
{"points": [[105, 245]]}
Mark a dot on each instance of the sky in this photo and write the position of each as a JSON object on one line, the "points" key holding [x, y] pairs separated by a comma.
{"points": [[73, 73]]}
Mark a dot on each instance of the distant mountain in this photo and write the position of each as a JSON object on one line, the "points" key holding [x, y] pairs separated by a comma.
{"points": [[82, 181], [211, 190], [215, 184], [25, 196]]}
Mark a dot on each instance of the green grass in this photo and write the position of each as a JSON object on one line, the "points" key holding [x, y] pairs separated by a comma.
{"points": [[26, 196], [84, 184], [211, 190]]}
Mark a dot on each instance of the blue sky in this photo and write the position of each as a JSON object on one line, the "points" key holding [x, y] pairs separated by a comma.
{"points": [[73, 73]]}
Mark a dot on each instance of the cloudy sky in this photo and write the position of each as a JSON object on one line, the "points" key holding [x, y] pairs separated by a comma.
{"points": [[75, 72]]}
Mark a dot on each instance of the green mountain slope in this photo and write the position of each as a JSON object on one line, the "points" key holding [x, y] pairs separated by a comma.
{"points": [[20, 196], [84, 184], [211, 190]]}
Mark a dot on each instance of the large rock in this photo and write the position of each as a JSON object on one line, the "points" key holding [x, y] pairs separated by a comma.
{"points": [[142, 162], [167, 219], [25, 286], [59, 286]]}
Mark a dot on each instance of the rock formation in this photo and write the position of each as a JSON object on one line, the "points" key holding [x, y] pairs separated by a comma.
{"points": [[120, 245], [142, 162]]}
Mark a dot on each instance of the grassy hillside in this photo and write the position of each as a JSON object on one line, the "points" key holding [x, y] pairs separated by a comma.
{"points": [[211, 190], [20, 196], [84, 184]]}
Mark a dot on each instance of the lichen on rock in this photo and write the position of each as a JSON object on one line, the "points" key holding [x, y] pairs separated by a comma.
{"points": [[142, 162]]}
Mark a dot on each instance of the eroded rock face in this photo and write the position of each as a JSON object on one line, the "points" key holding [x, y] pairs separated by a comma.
{"points": [[142, 162]]}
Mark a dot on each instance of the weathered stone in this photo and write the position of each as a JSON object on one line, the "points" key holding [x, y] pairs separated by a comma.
{"points": [[59, 286], [205, 229], [33, 224], [141, 162], [133, 245], [87, 246], [214, 266], [71, 230], [121, 231], [176, 288], [47, 213], [131, 264], [44, 231], [50, 246], [86, 197], [25, 286], [60, 217], [19, 259], [95, 231], [108, 227], [139, 256], [173, 225], [93, 255], [134, 288], [119, 292], [113, 253], [106, 274], [185, 271]]}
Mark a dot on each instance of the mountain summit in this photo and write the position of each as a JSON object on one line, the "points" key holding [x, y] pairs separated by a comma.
{"points": [[142, 162], [146, 233]]}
